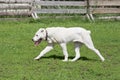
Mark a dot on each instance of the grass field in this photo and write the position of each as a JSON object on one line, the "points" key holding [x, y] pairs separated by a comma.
{"points": [[17, 52]]}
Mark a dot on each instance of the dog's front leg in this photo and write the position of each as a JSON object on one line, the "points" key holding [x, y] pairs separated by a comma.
{"points": [[64, 48], [42, 53]]}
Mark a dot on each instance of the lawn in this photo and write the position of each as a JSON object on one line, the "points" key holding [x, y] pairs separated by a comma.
{"points": [[17, 52]]}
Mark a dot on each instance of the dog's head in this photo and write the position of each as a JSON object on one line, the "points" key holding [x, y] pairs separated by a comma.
{"points": [[39, 36]]}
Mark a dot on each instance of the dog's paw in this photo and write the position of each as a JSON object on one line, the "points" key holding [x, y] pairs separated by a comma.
{"points": [[64, 60], [72, 60], [103, 60], [36, 58]]}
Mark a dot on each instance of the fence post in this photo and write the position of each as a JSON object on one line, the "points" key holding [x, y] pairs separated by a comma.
{"points": [[89, 14], [34, 14]]}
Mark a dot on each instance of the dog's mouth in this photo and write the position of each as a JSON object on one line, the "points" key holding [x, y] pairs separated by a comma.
{"points": [[38, 42]]}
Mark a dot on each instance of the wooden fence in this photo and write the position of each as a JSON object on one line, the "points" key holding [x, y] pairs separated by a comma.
{"points": [[59, 7], [105, 7], [34, 7], [15, 7]]}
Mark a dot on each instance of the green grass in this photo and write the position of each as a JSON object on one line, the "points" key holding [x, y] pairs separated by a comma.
{"points": [[17, 52]]}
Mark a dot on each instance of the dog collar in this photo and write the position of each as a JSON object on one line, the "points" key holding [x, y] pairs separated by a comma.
{"points": [[46, 35]]}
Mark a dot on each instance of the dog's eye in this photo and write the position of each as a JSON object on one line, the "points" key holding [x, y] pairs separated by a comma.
{"points": [[37, 35], [42, 30]]}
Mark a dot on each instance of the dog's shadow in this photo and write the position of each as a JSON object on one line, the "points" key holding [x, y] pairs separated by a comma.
{"points": [[70, 57]]}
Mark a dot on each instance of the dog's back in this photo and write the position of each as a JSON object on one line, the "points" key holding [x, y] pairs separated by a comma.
{"points": [[63, 29]]}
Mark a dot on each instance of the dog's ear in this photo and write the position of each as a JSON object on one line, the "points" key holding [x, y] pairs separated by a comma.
{"points": [[41, 30]]}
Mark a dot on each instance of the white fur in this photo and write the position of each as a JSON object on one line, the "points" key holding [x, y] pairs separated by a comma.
{"points": [[62, 36]]}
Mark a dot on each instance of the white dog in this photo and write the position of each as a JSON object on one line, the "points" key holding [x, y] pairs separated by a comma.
{"points": [[62, 36]]}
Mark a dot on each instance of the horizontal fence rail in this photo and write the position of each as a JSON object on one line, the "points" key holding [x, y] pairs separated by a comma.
{"points": [[104, 2], [15, 6], [16, 1], [15, 13], [61, 11], [105, 10], [61, 3]]}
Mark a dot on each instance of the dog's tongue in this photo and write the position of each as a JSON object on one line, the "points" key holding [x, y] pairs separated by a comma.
{"points": [[37, 42]]}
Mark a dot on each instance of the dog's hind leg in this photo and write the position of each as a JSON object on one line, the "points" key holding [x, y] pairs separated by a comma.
{"points": [[88, 42], [77, 51], [97, 52]]}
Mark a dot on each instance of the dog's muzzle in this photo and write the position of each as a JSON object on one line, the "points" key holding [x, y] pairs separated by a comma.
{"points": [[37, 42]]}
